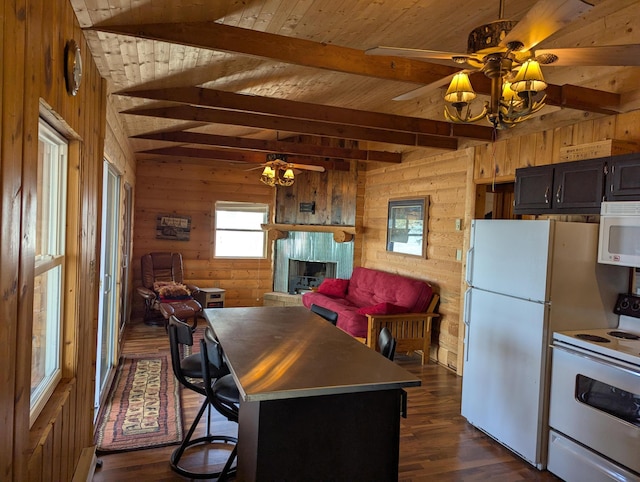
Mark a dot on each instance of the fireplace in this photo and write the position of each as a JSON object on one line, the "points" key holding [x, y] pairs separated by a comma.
{"points": [[304, 275], [326, 258]]}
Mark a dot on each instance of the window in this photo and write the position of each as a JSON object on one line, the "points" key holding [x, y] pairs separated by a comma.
{"points": [[49, 266], [238, 233]]}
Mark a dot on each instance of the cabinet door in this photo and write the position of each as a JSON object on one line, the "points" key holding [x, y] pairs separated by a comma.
{"points": [[578, 186], [623, 178], [533, 190]]}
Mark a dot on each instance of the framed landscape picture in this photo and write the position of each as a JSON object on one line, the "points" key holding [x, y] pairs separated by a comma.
{"points": [[406, 226]]}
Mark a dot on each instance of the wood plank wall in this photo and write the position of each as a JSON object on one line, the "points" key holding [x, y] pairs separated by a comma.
{"points": [[449, 180], [499, 161], [443, 179], [192, 188], [333, 192], [33, 38]]}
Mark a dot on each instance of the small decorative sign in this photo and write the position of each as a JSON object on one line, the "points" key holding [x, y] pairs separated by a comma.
{"points": [[171, 226], [308, 207]]}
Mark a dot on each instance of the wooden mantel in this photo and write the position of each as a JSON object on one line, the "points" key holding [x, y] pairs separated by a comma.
{"points": [[341, 233]]}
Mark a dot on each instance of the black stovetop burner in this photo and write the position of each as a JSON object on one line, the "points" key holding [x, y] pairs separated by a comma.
{"points": [[596, 338], [624, 334]]}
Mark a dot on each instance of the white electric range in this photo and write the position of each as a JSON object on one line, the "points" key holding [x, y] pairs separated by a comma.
{"points": [[594, 414]]}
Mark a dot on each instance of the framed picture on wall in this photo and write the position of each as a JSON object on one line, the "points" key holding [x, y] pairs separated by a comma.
{"points": [[407, 226], [173, 226]]}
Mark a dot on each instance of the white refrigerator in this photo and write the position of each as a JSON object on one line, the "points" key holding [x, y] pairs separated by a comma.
{"points": [[526, 280]]}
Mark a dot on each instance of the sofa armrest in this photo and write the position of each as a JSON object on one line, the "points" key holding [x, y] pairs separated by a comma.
{"points": [[146, 293], [412, 331]]}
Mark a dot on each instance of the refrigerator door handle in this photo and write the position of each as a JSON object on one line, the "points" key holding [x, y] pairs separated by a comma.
{"points": [[466, 321], [467, 307], [467, 274]]}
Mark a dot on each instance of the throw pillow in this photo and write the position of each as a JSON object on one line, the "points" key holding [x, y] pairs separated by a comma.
{"points": [[172, 290], [336, 287], [382, 309]]}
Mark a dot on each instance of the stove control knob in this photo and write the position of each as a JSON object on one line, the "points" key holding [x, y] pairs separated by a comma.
{"points": [[628, 304]]}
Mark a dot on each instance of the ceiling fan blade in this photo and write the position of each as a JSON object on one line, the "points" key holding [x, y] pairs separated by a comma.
{"points": [[623, 55], [544, 19], [414, 53], [308, 167], [412, 94]]}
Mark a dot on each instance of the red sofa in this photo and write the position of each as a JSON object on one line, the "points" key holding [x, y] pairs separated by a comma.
{"points": [[372, 299]]}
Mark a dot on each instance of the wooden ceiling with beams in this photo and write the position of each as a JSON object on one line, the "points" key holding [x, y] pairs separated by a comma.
{"points": [[232, 80]]}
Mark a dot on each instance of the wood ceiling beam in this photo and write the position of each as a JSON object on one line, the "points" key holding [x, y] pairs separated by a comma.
{"points": [[583, 98], [568, 96], [227, 38], [216, 36], [282, 147], [229, 155], [262, 121], [305, 110]]}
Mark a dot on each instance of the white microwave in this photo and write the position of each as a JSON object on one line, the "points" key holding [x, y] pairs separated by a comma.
{"points": [[619, 241]]}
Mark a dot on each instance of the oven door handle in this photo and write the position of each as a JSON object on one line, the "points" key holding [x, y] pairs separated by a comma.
{"points": [[574, 350]]}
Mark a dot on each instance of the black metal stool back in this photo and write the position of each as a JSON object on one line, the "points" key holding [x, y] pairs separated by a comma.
{"points": [[222, 393], [387, 343], [186, 369], [327, 314]]}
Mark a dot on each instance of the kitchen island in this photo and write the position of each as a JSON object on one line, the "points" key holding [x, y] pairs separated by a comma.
{"points": [[316, 404]]}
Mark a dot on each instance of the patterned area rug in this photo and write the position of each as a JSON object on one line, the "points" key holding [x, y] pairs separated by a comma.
{"points": [[143, 408]]}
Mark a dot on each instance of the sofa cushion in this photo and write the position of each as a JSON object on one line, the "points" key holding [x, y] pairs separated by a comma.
{"points": [[382, 309], [334, 287], [372, 292], [369, 287]]}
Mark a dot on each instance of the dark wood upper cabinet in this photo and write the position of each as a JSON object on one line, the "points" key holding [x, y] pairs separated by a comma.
{"points": [[570, 187], [579, 187], [533, 189], [623, 178]]}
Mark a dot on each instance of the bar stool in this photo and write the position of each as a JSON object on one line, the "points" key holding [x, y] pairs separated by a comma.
{"points": [[186, 369], [223, 394]]}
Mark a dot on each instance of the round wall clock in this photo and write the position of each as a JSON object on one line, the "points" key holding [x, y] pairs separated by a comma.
{"points": [[72, 67]]}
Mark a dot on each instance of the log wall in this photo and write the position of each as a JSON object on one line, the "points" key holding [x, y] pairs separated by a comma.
{"points": [[444, 180], [192, 189], [33, 38], [450, 181], [333, 192]]}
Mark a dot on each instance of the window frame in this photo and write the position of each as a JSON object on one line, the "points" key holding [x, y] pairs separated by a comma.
{"points": [[246, 207], [50, 259]]}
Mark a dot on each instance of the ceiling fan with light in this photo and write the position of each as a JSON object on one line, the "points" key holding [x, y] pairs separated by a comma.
{"points": [[278, 171], [504, 51]]}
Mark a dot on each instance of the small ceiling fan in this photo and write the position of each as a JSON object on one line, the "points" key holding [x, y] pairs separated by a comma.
{"points": [[504, 51], [279, 171], [281, 160]]}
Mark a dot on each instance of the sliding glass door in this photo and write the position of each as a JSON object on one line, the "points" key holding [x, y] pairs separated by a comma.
{"points": [[109, 273]]}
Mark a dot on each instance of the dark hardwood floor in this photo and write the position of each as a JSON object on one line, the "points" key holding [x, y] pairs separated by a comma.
{"points": [[436, 443]]}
